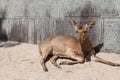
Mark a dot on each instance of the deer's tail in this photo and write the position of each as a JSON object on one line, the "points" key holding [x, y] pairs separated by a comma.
{"points": [[40, 50], [98, 47]]}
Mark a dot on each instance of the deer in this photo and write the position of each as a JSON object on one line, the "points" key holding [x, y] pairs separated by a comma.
{"points": [[87, 47], [76, 48]]}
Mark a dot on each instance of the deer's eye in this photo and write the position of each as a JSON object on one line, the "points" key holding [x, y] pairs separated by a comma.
{"points": [[76, 31]]}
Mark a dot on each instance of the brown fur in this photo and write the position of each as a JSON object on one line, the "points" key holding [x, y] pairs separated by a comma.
{"points": [[76, 48]]}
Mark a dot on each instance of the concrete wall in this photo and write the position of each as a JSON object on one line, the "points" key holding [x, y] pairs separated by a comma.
{"points": [[33, 20]]}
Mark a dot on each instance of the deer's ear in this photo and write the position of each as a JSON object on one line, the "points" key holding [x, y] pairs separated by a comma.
{"points": [[76, 25], [92, 23], [73, 22]]}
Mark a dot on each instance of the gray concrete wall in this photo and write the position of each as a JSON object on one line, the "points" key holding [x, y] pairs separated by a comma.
{"points": [[33, 20]]}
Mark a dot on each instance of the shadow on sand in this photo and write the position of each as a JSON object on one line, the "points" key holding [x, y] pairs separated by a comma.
{"points": [[9, 44]]}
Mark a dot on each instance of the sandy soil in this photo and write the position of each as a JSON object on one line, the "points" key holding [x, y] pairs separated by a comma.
{"points": [[22, 62]]}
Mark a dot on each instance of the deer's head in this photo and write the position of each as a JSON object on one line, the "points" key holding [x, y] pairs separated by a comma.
{"points": [[81, 29]]}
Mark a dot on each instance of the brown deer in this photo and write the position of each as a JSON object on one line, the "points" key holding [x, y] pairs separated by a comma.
{"points": [[75, 48], [87, 48]]}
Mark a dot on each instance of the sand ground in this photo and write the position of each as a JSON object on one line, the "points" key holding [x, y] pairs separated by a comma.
{"points": [[22, 62]]}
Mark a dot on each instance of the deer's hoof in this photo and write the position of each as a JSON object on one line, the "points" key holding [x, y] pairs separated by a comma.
{"points": [[58, 66], [46, 70], [117, 64]]}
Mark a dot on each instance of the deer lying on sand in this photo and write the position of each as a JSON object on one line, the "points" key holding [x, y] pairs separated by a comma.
{"points": [[87, 48], [75, 48]]}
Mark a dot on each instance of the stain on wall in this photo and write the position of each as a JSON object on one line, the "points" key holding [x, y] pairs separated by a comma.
{"points": [[18, 33], [3, 35], [89, 12]]}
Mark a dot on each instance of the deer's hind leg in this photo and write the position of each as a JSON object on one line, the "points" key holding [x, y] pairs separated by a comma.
{"points": [[77, 59], [53, 60], [44, 57]]}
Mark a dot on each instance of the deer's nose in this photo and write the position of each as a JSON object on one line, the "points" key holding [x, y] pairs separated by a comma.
{"points": [[85, 31], [90, 27]]}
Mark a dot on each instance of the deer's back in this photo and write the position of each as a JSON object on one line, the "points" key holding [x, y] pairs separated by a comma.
{"points": [[62, 43]]}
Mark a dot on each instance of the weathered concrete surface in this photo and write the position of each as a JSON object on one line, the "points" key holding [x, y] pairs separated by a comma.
{"points": [[33, 20], [22, 62], [112, 34]]}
